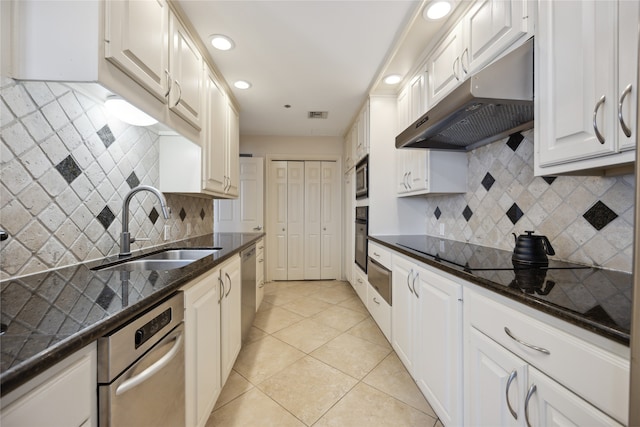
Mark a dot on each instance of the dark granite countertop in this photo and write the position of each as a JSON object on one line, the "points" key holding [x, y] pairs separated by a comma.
{"points": [[595, 299], [50, 315]]}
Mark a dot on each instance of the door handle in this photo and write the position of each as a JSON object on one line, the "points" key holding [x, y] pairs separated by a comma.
{"points": [[228, 278], [532, 390], [623, 125], [526, 344], [595, 121], [512, 377], [221, 289]]}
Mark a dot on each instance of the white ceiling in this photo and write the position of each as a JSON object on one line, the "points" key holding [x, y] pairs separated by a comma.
{"points": [[314, 55]]}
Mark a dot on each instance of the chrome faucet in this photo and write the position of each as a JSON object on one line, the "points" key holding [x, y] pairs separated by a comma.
{"points": [[125, 237]]}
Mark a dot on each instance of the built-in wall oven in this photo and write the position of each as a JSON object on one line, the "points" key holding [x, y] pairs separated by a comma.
{"points": [[362, 218]]}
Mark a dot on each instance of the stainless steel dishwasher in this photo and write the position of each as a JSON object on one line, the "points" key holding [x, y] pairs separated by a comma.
{"points": [[141, 369], [248, 295]]}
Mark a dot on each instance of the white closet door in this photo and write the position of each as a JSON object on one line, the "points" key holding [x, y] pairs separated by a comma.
{"points": [[277, 251], [295, 220], [244, 214], [330, 221], [312, 219]]}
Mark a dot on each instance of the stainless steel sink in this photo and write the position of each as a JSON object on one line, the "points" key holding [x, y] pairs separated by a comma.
{"points": [[169, 259]]}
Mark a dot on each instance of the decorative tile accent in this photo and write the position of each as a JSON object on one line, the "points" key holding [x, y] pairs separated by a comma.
{"points": [[515, 140], [105, 297], [133, 180], [69, 169], [514, 213], [549, 179], [437, 213], [488, 181], [106, 136], [106, 217], [467, 213], [599, 215], [153, 216], [183, 214], [58, 217], [153, 277]]}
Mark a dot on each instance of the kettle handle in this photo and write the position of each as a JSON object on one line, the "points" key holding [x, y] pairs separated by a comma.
{"points": [[548, 246]]}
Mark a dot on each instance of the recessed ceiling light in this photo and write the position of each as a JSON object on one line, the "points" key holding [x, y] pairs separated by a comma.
{"points": [[241, 84], [437, 9], [127, 113], [393, 79], [222, 42]]}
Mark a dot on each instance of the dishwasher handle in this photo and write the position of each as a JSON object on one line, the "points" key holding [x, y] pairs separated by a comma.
{"points": [[155, 368]]}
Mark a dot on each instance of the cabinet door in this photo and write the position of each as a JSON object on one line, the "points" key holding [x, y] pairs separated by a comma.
{"points": [[403, 311], [186, 71], [492, 25], [576, 83], [417, 169], [233, 151], [136, 41], [259, 273], [202, 348], [550, 404], [230, 317], [494, 383], [438, 367], [418, 97], [214, 141], [628, 12], [445, 70]]}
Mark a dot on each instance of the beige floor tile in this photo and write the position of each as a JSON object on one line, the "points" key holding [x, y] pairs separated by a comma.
{"points": [[306, 306], [235, 386], [279, 298], [334, 294], [340, 318], [274, 319], [255, 334], [366, 406], [352, 355], [307, 335], [354, 303], [253, 408], [261, 359], [369, 330], [391, 377], [308, 388]]}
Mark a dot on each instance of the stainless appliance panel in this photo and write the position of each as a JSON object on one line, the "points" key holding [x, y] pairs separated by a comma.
{"points": [[248, 293], [380, 278], [361, 232]]}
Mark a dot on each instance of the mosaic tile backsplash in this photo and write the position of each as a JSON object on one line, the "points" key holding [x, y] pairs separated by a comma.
{"points": [[589, 220], [65, 167]]}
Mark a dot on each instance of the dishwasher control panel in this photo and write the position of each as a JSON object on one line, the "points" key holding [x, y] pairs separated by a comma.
{"points": [[152, 327]]}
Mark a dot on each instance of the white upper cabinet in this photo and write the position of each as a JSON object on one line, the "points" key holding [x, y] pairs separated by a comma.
{"points": [[586, 77], [185, 72], [445, 69], [136, 40], [215, 135]]}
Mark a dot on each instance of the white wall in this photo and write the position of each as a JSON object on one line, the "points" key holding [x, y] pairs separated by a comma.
{"points": [[291, 145]]}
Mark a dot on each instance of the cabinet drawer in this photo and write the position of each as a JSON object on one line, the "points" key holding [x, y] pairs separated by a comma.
{"points": [[596, 374], [380, 311], [380, 254]]}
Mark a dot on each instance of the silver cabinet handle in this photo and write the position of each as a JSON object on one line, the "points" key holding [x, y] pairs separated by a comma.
{"points": [[512, 377], [228, 278], [466, 50], [221, 289], [595, 121], [376, 301], [258, 228], [376, 254], [179, 93], [404, 181], [623, 125], [532, 390], [260, 260], [359, 280], [531, 346], [455, 74], [169, 81], [409, 180], [413, 284], [408, 278], [151, 370]]}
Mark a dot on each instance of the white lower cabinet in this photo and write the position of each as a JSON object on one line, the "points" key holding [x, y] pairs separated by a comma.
{"points": [[380, 310], [230, 319], [427, 334], [360, 284], [259, 273], [202, 347], [63, 395]]}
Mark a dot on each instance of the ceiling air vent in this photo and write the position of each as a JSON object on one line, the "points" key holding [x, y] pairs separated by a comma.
{"points": [[317, 114]]}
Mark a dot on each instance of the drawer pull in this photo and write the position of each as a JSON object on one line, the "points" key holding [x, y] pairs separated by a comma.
{"points": [[376, 301], [512, 377], [376, 254], [531, 346], [532, 390]]}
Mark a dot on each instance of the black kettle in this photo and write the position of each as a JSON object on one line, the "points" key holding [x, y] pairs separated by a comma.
{"points": [[532, 250]]}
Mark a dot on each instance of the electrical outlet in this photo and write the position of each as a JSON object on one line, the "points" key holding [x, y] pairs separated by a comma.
{"points": [[167, 232], [442, 228]]}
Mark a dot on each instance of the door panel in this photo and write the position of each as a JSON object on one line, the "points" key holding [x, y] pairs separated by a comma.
{"points": [[277, 252], [244, 214], [312, 213], [295, 220], [330, 221]]}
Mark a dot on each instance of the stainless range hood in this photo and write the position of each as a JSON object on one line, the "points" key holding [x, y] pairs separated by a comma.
{"points": [[492, 104]]}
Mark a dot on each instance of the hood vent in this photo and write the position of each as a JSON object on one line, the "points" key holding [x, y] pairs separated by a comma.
{"points": [[317, 114], [490, 105]]}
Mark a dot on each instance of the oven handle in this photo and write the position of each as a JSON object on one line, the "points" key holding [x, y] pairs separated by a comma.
{"points": [[153, 369]]}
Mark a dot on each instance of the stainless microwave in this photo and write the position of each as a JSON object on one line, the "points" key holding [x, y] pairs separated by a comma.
{"points": [[362, 178]]}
